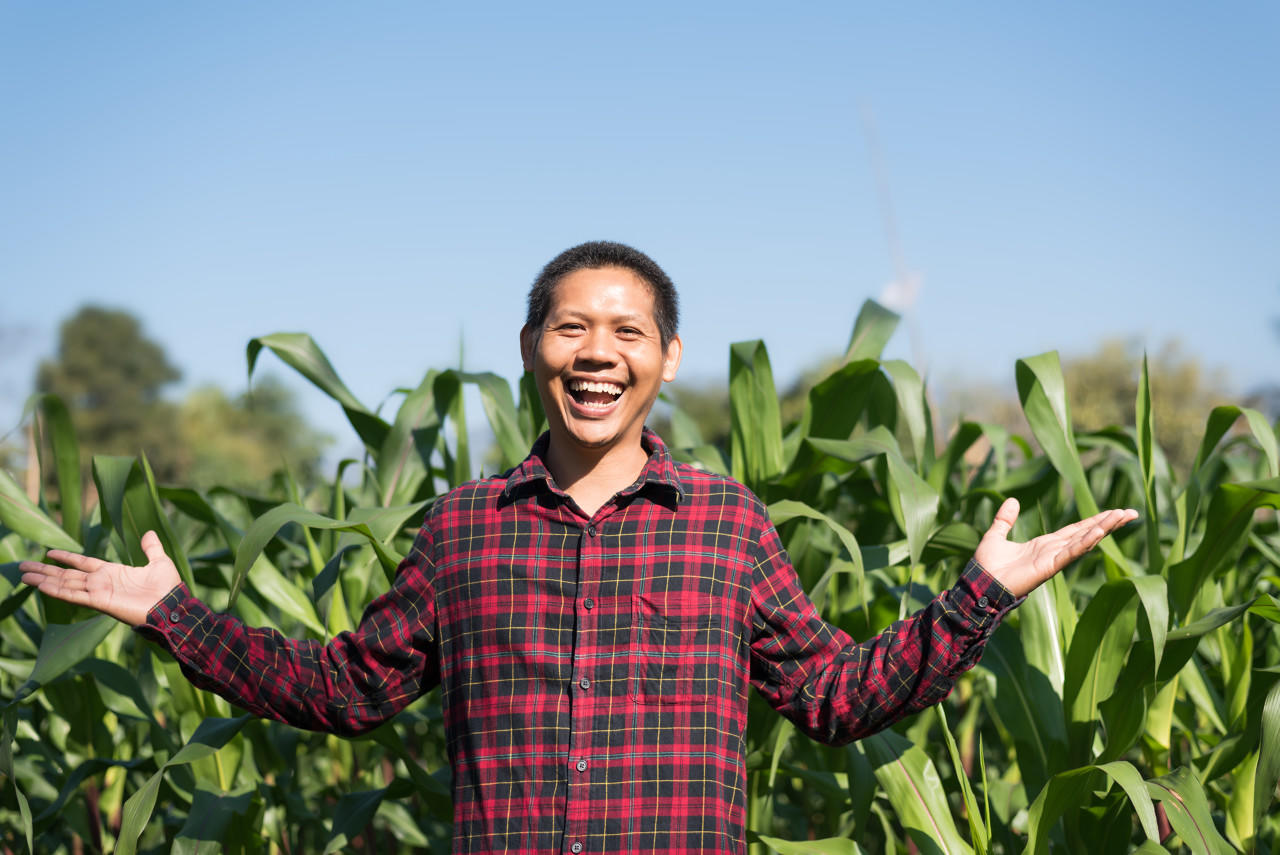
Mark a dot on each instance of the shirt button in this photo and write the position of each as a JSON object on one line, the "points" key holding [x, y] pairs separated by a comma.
{"points": [[584, 683], [575, 848], [591, 531], [587, 604], [983, 602], [582, 765], [173, 616]]}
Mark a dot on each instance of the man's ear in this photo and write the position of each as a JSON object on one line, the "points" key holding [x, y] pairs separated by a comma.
{"points": [[671, 361], [528, 342]]}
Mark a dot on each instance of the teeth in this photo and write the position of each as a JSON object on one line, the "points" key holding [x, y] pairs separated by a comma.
{"points": [[593, 386]]}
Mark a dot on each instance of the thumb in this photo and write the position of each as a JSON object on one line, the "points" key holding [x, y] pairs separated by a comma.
{"points": [[1005, 518], [153, 548]]}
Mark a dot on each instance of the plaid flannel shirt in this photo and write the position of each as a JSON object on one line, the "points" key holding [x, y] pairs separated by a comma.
{"points": [[594, 671]]}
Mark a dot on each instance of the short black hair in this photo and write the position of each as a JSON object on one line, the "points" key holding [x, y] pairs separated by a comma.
{"points": [[594, 255]]}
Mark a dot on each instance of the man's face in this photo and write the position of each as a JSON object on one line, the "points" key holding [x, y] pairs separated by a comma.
{"points": [[598, 359]]}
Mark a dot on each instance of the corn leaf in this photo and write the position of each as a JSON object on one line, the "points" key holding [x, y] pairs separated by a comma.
{"points": [[211, 735], [1146, 460], [1042, 392], [20, 514], [911, 782], [1267, 776], [62, 647], [1066, 791], [755, 427], [55, 425], [1188, 811], [828, 846], [871, 332], [300, 352]]}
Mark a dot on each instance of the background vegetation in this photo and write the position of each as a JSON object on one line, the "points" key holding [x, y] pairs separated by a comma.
{"points": [[1131, 704]]}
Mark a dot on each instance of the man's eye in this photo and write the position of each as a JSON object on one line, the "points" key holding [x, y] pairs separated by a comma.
{"points": [[629, 332]]}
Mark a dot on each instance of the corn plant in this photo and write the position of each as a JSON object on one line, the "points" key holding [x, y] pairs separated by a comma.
{"points": [[1133, 703]]}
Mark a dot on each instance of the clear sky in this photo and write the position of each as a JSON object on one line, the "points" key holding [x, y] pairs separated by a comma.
{"points": [[391, 176]]}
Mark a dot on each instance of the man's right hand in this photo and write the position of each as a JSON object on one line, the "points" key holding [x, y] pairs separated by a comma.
{"points": [[126, 593]]}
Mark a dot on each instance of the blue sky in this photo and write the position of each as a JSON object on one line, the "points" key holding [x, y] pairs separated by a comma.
{"points": [[390, 177]]}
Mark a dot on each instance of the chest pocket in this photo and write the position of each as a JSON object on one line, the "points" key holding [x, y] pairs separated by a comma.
{"points": [[677, 649]]}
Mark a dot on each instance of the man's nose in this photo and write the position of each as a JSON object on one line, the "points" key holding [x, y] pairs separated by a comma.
{"points": [[598, 347]]}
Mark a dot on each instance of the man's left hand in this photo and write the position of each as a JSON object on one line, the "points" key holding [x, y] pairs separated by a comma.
{"points": [[1022, 567]]}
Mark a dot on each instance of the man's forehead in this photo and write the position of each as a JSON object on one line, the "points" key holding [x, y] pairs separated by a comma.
{"points": [[588, 290]]}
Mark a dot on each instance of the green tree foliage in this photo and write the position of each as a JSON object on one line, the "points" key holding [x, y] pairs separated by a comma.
{"points": [[243, 441], [112, 376]]}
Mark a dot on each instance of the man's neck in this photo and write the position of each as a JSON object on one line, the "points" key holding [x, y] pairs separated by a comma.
{"points": [[593, 476]]}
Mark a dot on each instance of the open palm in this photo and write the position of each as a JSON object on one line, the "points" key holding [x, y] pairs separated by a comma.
{"points": [[1021, 567], [126, 593]]}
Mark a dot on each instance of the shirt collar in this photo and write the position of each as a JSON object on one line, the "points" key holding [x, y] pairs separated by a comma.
{"points": [[659, 470]]}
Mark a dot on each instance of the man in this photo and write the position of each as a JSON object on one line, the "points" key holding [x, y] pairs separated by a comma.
{"points": [[594, 617]]}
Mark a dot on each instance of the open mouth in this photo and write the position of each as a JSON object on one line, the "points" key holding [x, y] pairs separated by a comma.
{"points": [[594, 393]]}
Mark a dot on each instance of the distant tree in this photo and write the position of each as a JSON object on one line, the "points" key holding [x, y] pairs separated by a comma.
{"points": [[242, 441], [112, 376]]}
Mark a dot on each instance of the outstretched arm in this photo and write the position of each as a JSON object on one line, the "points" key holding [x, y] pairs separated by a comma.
{"points": [[349, 685], [126, 593], [1023, 567], [836, 689]]}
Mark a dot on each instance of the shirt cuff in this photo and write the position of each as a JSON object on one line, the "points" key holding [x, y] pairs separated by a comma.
{"points": [[172, 619], [980, 598]]}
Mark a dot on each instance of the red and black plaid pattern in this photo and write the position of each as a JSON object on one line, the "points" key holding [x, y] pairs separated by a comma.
{"points": [[594, 672]]}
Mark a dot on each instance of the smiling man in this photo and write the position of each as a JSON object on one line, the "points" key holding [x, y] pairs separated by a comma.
{"points": [[595, 617]]}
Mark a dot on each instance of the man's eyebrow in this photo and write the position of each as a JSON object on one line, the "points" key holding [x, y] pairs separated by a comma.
{"points": [[626, 317]]}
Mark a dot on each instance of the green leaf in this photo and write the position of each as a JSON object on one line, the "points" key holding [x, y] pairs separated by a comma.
{"points": [[20, 514], [871, 332], [1043, 394], [220, 822], [1028, 707], [1069, 790], [755, 429], [1267, 776], [500, 408], [266, 526], [1231, 512], [10, 727], [1146, 460], [828, 846], [55, 424], [977, 830], [912, 407], [355, 810], [210, 735], [288, 596], [300, 352], [1220, 421], [914, 789], [913, 501], [400, 467], [533, 421], [1095, 659], [1188, 811], [64, 646], [788, 509]]}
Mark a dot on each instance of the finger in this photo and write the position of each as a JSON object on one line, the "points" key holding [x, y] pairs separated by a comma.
{"points": [[34, 573], [1005, 518], [85, 563], [1084, 537], [153, 548], [66, 589]]}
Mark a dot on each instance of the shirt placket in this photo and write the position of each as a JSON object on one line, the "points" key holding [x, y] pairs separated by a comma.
{"points": [[582, 692]]}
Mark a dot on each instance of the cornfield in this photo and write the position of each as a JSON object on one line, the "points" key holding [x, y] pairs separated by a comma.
{"points": [[1132, 704]]}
